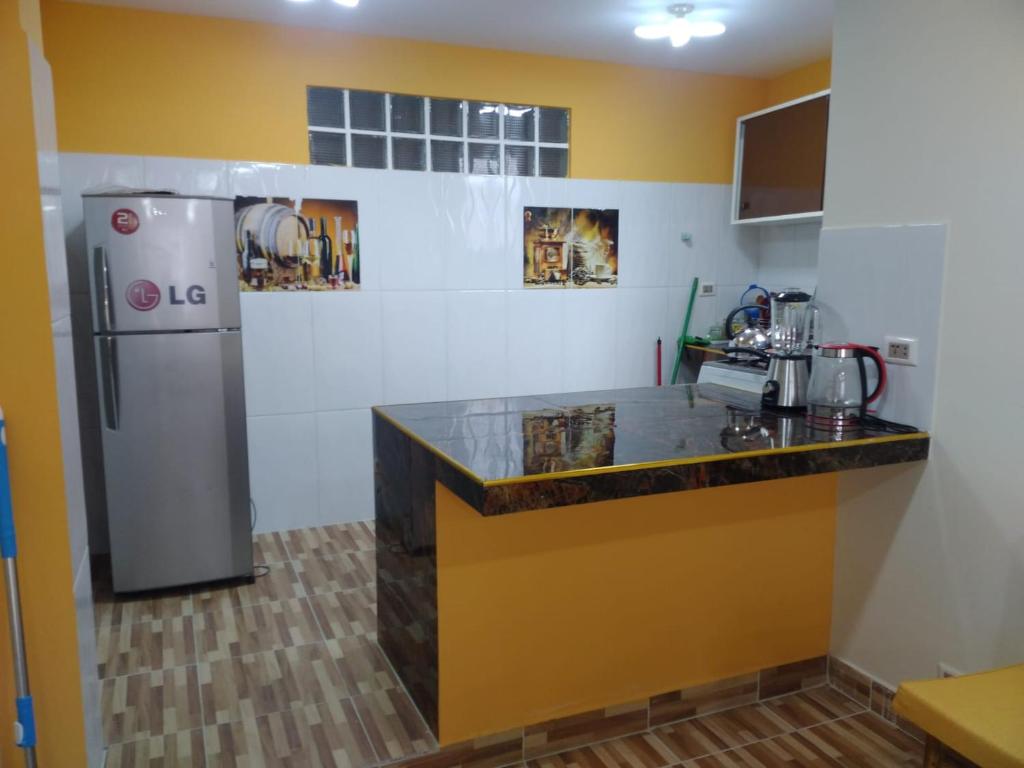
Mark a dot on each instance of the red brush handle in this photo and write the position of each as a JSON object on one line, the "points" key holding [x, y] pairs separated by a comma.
{"points": [[659, 361]]}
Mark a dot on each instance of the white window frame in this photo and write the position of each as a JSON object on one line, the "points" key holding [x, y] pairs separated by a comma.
{"points": [[428, 137]]}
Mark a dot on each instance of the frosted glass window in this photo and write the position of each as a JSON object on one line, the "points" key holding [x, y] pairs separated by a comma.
{"points": [[519, 160], [326, 106], [554, 161], [446, 117], [397, 131], [554, 125], [367, 110], [519, 122], [485, 158], [369, 151], [327, 148], [408, 154], [484, 120], [446, 156], [407, 114]]}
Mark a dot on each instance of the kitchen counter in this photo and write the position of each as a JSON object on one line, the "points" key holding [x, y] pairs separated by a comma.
{"points": [[585, 555], [512, 454]]}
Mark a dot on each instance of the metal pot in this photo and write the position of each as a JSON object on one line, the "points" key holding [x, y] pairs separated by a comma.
{"points": [[751, 337]]}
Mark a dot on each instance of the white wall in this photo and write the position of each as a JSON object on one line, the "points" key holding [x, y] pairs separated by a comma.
{"points": [[442, 313], [788, 256], [61, 322], [926, 125]]}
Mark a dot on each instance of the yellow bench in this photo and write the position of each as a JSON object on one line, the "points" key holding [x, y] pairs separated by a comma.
{"points": [[980, 716]]}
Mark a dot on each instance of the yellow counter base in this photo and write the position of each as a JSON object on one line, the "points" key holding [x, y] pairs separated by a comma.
{"points": [[554, 612]]}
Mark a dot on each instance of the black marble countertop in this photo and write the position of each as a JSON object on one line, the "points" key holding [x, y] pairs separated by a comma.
{"points": [[529, 452]]}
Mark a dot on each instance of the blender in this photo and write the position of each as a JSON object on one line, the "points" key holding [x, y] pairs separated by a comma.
{"points": [[789, 363]]}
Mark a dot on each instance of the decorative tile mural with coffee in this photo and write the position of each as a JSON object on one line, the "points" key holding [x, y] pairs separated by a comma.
{"points": [[570, 247]]}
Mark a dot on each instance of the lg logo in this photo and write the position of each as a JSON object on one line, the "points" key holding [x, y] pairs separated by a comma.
{"points": [[144, 295]]}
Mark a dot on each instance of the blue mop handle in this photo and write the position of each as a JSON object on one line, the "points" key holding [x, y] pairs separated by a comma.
{"points": [[8, 543], [25, 724]]}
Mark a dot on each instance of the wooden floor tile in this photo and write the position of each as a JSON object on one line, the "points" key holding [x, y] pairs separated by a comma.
{"points": [[848, 680], [330, 540], [150, 704], [145, 646], [362, 665], [790, 678], [280, 582], [721, 731], [111, 611], [269, 548], [866, 740], [565, 733], [337, 573], [326, 735], [500, 750], [346, 614], [791, 750], [642, 750], [262, 683], [393, 724], [813, 707], [703, 699], [255, 628], [178, 750]]}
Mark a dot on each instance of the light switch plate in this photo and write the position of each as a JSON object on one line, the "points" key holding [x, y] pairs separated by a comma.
{"points": [[706, 289]]}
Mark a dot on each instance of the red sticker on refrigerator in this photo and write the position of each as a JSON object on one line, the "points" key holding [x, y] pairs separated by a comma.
{"points": [[125, 221]]}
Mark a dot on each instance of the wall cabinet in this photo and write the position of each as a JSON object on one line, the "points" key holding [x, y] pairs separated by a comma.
{"points": [[779, 172]]}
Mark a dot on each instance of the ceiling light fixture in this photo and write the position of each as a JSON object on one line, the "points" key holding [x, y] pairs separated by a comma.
{"points": [[348, 3], [679, 29]]}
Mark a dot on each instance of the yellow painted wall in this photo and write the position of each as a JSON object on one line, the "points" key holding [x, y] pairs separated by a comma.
{"points": [[553, 612], [146, 83], [800, 82], [28, 395]]}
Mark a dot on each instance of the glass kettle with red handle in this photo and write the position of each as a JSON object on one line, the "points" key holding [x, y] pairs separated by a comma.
{"points": [[837, 395]]}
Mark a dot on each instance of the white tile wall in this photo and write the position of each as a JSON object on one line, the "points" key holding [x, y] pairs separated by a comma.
{"points": [[344, 441], [536, 342], [48, 163], [347, 350], [788, 255], [442, 313], [887, 281], [284, 472], [277, 348], [477, 344], [415, 346]]}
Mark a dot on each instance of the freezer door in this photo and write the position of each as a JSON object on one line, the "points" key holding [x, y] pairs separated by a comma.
{"points": [[175, 458], [161, 263]]}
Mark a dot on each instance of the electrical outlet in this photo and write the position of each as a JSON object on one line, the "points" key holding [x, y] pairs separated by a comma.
{"points": [[900, 350], [707, 289], [947, 671]]}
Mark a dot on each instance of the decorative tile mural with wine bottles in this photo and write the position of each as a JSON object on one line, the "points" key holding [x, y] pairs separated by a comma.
{"points": [[570, 247], [297, 245]]}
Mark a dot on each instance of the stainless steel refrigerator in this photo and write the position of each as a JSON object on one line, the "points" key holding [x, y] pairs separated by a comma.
{"points": [[172, 401]]}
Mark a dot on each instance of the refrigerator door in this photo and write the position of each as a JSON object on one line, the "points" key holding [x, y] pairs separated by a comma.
{"points": [[161, 263], [175, 461]]}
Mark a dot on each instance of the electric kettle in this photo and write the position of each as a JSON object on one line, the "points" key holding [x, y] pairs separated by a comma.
{"points": [[837, 395]]}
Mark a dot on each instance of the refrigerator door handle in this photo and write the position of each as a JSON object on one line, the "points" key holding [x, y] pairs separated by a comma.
{"points": [[111, 394], [101, 282]]}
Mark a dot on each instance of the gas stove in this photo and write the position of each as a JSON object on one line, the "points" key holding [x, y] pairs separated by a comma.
{"points": [[739, 372]]}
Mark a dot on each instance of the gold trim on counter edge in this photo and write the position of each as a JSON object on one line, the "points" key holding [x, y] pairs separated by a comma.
{"points": [[712, 457], [662, 464], [432, 448]]}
